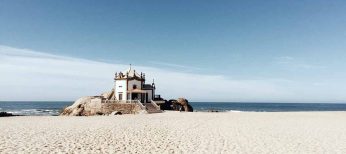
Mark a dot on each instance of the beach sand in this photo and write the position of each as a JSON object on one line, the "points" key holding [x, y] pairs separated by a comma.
{"points": [[175, 132]]}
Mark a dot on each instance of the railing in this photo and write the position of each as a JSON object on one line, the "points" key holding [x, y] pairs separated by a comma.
{"points": [[154, 104], [141, 105], [159, 101]]}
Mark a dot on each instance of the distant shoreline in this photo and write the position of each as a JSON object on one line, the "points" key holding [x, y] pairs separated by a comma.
{"points": [[217, 102], [54, 108]]}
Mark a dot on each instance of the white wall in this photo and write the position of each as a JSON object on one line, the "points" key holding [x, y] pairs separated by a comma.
{"points": [[137, 83], [134, 82], [149, 95], [120, 87]]}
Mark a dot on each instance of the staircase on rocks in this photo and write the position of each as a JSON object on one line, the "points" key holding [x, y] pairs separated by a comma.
{"points": [[151, 108]]}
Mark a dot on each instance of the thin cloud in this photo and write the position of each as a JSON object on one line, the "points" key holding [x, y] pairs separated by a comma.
{"points": [[293, 63], [174, 65], [32, 75]]}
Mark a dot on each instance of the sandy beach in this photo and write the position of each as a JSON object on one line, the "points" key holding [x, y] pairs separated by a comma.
{"points": [[174, 132]]}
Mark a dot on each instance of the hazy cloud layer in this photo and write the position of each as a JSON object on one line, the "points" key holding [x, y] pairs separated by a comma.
{"points": [[32, 75], [292, 63]]}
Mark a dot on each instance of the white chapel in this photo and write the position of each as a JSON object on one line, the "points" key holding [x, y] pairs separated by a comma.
{"points": [[130, 85]]}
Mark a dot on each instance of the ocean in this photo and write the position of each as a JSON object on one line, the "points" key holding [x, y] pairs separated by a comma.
{"points": [[40, 108]]}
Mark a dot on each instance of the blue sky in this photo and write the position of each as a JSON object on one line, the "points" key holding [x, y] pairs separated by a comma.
{"points": [[294, 48]]}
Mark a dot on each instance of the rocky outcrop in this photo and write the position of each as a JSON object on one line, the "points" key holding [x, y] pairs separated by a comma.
{"points": [[185, 105], [92, 105], [85, 106], [5, 114], [181, 104]]}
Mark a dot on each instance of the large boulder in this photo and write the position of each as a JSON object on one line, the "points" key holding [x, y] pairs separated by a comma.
{"points": [[92, 105], [181, 104], [185, 104], [5, 114], [85, 106]]}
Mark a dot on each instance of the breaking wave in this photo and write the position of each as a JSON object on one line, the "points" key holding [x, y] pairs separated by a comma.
{"points": [[34, 112], [33, 108]]}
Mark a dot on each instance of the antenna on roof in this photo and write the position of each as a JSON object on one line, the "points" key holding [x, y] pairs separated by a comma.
{"points": [[130, 66]]}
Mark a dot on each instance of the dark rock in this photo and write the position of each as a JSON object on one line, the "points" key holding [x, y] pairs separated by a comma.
{"points": [[5, 114], [116, 113], [185, 106], [189, 108], [181, 104]]}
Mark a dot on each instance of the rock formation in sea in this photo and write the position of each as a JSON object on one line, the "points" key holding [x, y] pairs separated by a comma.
{"points": [[130, 95], [94, 105], [5, 114], [185, 104], [181, 104], [82, 107]]}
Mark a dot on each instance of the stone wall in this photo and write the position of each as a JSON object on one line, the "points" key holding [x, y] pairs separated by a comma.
{"points": [[124, 108], [93, 107]]}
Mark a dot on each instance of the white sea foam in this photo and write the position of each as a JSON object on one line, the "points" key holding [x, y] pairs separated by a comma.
{"points": [[34, 112], [235, 111]]}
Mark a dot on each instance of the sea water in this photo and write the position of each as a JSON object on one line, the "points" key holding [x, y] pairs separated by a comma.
{"points": [[38, 108], [34, 108], [267, 107]]}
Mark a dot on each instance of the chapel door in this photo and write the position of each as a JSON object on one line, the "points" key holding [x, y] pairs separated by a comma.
{"points": [[134, 96]]}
